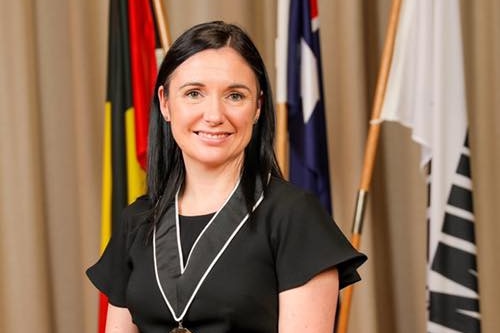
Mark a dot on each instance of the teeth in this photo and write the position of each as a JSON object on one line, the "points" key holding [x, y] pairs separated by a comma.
{"points": [[212, 135]]}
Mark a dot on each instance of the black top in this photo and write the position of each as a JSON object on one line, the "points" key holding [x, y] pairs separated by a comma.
{"points": [[191, 227], [289, 240]]}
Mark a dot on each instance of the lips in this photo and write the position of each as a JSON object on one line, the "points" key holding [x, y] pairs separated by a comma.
{"points": [[213, 136]]}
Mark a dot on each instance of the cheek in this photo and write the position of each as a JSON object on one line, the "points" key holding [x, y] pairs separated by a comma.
{"points": [[177, 132], [249, 129]]}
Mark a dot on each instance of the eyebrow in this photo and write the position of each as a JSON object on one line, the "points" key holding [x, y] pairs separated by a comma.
{"points": [[189, 84], [240, 86], [231, 86]]}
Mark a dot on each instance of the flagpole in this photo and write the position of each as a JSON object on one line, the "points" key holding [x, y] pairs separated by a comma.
{"points": [[281, 62], [281, 138], [162, 24], [370, 153]]}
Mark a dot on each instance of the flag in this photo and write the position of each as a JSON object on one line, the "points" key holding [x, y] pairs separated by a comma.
{"points": [[131, 73], [426, 92], [300, 87]]}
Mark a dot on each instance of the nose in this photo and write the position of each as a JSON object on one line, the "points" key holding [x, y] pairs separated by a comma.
{"points": [[214, 113]]}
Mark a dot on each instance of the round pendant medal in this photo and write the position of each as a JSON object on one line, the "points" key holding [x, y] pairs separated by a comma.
{"points": [[180, 330]]}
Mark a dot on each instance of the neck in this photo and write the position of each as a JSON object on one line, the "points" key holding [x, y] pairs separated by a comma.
{"points": [[205, 191]]}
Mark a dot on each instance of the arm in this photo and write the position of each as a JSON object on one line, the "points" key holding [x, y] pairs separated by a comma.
{"points": [[310, 307], [119, 320]]}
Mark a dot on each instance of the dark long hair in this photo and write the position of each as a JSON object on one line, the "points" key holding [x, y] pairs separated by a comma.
{"points": [[166, 171]]}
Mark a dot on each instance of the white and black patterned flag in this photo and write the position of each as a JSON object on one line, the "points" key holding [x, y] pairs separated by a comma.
{"points": [[426, 92]]}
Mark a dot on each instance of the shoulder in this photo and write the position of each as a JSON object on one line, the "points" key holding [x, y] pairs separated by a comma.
{"points": [[140, 205], [137, 212], [278, 187], [285, 204], [290, 197]]}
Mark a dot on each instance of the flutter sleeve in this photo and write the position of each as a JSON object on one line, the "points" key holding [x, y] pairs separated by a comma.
{"points": [[308, 242], [111, 272]]}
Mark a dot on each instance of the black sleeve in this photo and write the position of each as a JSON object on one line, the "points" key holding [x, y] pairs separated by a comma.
{"points": [[111, 273], [308, 242]]}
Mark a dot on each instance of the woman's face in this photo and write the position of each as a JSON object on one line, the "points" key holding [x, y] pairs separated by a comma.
{"points": [[212, 103]]}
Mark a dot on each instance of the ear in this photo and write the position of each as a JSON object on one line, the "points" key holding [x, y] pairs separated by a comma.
{"points": [[259, 105], [162, 97]]}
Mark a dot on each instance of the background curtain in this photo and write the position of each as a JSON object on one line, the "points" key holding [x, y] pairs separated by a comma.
{"points": [[52, 91]]}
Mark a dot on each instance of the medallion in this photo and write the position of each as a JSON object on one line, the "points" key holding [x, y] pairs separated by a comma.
{"points": [[180, 329]]}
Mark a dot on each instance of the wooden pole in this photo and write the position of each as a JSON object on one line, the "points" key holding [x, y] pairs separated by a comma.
{"points": [[370, 153], [162, 24], [282, 138]]}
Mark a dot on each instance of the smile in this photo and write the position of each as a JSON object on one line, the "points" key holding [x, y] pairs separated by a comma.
{"points": [[212, 135]]}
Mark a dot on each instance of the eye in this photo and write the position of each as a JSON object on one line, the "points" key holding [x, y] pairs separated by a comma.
{"points": [[194, 94], [236, 96]]}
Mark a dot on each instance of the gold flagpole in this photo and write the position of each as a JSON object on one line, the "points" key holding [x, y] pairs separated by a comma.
{"points": [[162, 24], [370, 153], [281, 138]]}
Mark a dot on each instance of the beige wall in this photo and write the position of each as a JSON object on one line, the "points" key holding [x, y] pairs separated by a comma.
{"points": [[52, 85]]}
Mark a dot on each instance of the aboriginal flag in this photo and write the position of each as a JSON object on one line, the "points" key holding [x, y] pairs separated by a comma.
{"points": [[132, 71]]}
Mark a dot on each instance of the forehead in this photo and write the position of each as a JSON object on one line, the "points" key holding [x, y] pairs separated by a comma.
{"points": [[215, 65]]}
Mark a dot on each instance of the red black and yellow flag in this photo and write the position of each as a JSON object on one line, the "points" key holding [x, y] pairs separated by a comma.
{"points": [[132, 69]]}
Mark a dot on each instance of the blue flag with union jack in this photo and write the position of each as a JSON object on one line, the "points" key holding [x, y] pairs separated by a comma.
{"points": [[306, 111]]}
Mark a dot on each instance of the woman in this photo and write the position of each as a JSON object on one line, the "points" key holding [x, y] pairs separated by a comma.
{"points": [[220, 243]]}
